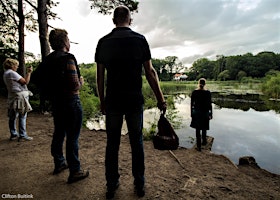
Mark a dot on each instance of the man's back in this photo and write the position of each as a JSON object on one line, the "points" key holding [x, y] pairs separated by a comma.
{"points": [[123, 53]]}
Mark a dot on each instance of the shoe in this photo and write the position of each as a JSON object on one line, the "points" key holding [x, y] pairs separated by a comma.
{"points": [[111, 191], [204, 143], [13, 137], [77, 176], [140, 191], [198, 148], [26, 138], [60, 169]]}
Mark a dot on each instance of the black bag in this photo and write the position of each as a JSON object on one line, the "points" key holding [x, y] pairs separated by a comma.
{"points": [[166, 138]]}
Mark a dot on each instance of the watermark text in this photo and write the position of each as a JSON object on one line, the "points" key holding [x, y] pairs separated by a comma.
{"points": [[17, 196]]}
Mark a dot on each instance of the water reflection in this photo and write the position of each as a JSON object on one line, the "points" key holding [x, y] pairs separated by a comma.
{"points": [[245, 102], [241, 127]]}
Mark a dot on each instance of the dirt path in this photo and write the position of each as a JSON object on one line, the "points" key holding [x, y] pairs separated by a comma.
{"points": [[26, 169]]}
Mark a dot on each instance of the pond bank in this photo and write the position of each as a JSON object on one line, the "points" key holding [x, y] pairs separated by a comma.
{"points": [[26, 168]]}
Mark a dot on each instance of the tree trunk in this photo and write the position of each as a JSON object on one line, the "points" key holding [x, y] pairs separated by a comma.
{"points": [[21, 69], [43, 27]]}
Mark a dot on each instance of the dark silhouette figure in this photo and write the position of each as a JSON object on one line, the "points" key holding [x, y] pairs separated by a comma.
{"points": [[201, 112], [61, 81], [124, 53]]}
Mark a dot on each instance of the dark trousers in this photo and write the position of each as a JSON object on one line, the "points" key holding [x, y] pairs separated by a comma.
{"points": [[67, 116], [198, 137], [114, 121]]}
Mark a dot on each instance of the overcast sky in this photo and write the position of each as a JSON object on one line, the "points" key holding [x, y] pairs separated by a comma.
{"points": [[188, 29]]}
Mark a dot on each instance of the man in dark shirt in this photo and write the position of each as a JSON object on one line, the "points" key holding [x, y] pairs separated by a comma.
{"points": [[123, 53]]}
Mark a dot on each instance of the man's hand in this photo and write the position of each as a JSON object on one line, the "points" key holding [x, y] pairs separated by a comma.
{"points": [[102, 108], [162, 106]]}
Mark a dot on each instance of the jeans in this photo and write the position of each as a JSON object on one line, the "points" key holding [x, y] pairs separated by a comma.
{"points": [[13, 115], [114, 121], [67, 116]]}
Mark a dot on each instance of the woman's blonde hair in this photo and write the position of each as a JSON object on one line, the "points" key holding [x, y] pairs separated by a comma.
{"points": [[201, 83], [58, 38], [9, 63]]}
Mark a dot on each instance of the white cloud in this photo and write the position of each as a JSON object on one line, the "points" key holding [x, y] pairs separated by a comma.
{"points": [[187, 29]]}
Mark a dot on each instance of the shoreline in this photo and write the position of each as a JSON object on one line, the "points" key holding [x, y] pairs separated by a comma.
{"points": [[27, 167]]}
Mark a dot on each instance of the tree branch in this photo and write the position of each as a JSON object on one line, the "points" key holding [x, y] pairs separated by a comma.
{"points": [[30, 3]]}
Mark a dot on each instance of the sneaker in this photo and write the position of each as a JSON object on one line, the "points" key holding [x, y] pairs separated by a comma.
{"points": [[77, 176], [111, 191], [60, 169], [26, 138], [13, 137]]}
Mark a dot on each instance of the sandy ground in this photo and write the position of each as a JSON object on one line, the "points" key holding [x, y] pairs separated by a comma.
{"points": [[26, 170]]}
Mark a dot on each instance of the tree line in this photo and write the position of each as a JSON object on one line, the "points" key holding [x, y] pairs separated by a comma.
{"points": [[235, 67]]}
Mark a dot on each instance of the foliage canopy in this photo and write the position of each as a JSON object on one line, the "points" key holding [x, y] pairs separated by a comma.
{"points": [[235, 67]]}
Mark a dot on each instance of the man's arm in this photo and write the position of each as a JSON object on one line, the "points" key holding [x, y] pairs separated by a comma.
{"points": [[100, 73], [152, 78]]}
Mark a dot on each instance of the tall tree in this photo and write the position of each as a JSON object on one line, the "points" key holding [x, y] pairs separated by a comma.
{"points": [[9, 21], [43, 27], [21, 38], [220, 66], [106, 6], [204, 68], [44, 12], [16, 17]]}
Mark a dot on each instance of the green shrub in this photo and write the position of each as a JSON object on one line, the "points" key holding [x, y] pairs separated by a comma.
{"points": [[271, 86], [89, 102]]}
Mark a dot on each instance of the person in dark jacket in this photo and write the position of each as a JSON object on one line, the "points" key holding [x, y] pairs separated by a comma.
{"points": [[61, 81], [201, 112]]}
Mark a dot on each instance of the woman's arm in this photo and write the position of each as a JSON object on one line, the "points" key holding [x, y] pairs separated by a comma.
{"points": [[25, 81]]}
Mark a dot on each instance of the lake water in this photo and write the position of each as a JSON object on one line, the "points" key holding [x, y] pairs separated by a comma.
{"points": [[241, 126], [237, 132]]}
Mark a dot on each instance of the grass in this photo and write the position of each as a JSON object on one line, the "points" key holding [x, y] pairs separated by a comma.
{"points": [[232, 87]]}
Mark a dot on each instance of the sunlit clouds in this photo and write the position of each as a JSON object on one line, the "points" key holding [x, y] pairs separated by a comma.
{"points": [[188, 29]]}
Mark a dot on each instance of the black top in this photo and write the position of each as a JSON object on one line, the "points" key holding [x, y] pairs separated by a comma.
{"points": [[201, 101], [123, 53], [201, 109]]}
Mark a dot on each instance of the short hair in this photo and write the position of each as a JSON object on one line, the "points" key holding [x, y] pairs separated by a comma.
{"points": [[9, 63], [121, 14], [58, 38]]}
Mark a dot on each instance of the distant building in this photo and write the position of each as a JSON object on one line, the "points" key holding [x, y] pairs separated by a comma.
{"points": [[180, 77]]}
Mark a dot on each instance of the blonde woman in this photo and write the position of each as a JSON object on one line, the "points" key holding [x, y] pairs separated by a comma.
{"points": [[201, 111], [18, 95]]}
